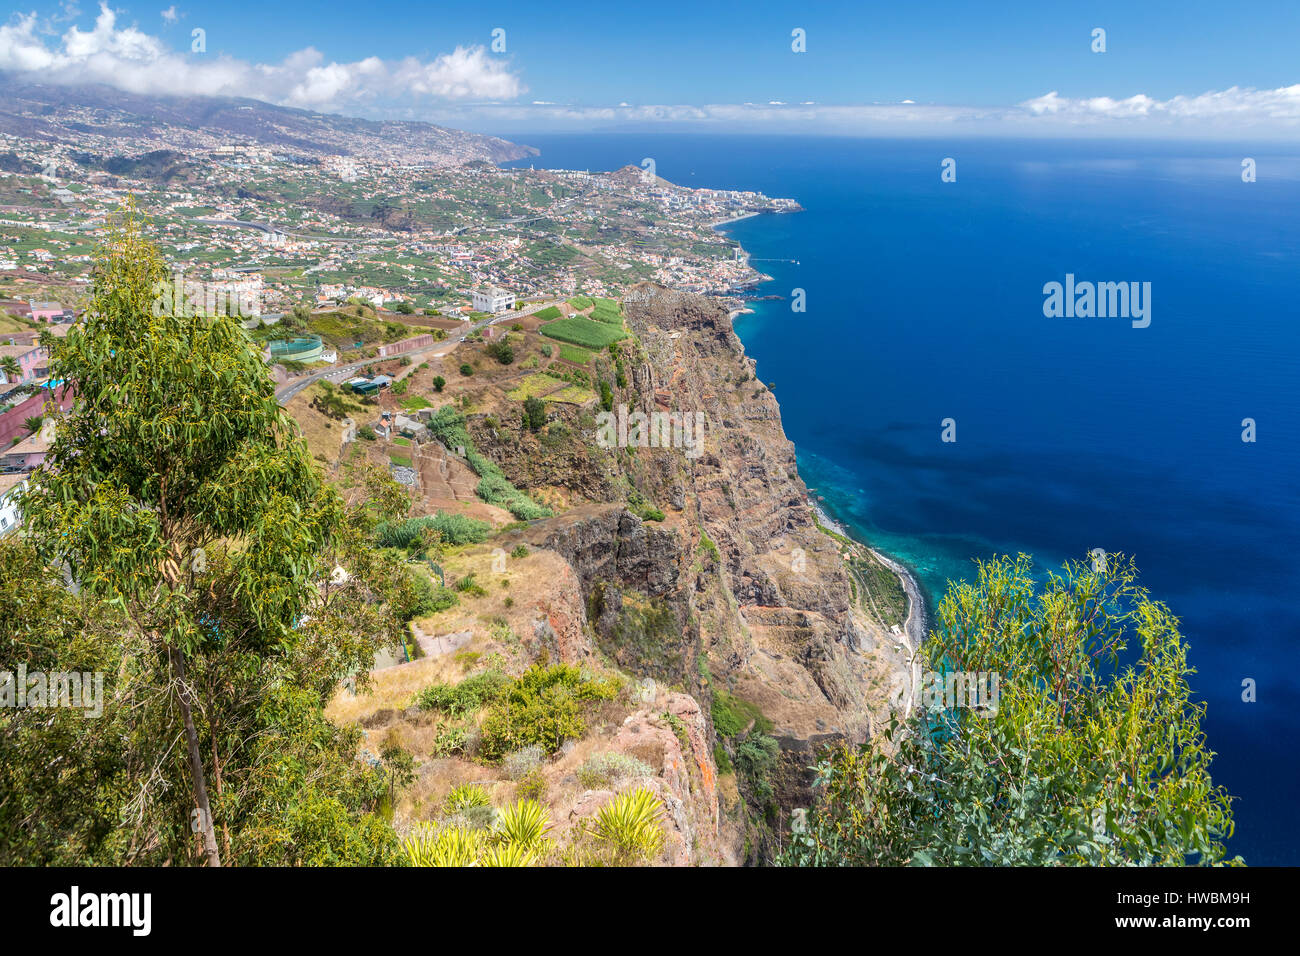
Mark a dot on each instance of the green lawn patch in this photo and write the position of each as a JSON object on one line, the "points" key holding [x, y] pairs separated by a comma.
{"points": [[584, 332], [548, 313], [578, 356]]}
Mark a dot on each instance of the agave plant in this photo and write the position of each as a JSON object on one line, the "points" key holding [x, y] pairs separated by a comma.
{"points": [[523, 825], [508, 854], [466, 796], [450, 846], [630, 825]]}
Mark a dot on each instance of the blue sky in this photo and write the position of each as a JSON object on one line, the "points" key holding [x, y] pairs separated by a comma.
{"points": [[1184, 68]]}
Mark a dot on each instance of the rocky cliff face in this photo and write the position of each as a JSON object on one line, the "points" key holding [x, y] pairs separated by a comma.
{"points": [[736, 593]]}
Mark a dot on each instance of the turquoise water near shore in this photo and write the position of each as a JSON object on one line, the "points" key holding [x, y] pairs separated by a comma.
{"points": [[925, 303]]}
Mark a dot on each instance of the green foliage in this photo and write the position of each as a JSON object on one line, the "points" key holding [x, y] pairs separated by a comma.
{"points": [[546, 350], [755, 758], [1093, 754], [181, 501], [544, 706], [631, 826], [606, 396], [583, 331], [548, 313], [523, 824], [469, 585], [468, 697], [722, 759], [449, 846], [465, 796], [467, 370], [518, 838], [731, 715], [439, 383], [451, 528], [706, 543], [501, 351], [571, 353], [519, 551], [531, 786], [429, 598], [534, 413]]}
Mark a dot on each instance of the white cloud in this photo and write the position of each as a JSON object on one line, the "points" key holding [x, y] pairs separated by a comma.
{"points": [[129, 59], [467, 87], [1232, 112]]}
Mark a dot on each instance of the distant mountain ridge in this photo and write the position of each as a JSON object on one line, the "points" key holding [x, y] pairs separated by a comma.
{"points": [[106, 119]]}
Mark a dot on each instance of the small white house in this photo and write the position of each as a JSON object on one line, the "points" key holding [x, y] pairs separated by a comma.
{"points": [[10, 487], [493, 300]]}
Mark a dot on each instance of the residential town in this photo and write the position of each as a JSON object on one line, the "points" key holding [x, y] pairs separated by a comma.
{"points": [[411, 252]]}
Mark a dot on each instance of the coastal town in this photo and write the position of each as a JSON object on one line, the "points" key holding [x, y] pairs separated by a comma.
{"points": [[410, 252]]}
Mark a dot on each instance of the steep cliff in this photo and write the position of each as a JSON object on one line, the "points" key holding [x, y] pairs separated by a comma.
{"points": [[697, 568]]}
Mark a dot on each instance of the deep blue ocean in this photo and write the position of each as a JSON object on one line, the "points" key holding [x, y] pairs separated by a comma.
{"points": [[925, 302]]}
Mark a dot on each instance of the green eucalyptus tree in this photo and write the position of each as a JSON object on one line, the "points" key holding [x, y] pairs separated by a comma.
{"points": [[179, 498], [1092, 755]]}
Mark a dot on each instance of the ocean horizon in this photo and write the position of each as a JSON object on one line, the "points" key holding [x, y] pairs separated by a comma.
{"points": [[925, 306]]}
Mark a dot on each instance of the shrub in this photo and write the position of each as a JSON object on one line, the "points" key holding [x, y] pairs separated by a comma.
{"points": [[731, 715], [469, 585], [522, 762], [544, 706], [467, 697], [630, 826], [439, 383], [429, 598], [464, 797], [531, 786], [519, 551], [605, 771], [534, 413], [451, 528], [508, 854], [450, 846], [547, 350], [467, 370], [524, 825]]}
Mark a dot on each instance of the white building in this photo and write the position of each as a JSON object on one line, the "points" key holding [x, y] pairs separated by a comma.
{"points": [[493, 300], [10, 487]]}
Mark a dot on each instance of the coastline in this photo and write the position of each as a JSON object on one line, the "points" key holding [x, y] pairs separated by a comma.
{"points": [[726, 222], [914, 628]]}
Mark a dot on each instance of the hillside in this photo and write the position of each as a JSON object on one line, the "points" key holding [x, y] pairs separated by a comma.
{"points": [[100, 119], [745, 636]]}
